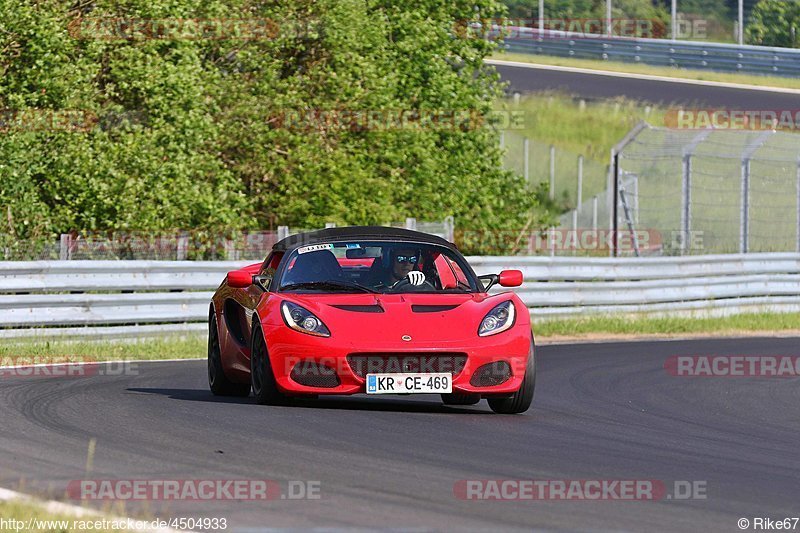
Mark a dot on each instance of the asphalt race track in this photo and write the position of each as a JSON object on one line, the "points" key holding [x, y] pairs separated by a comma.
{"points": [[601, 411], [592, 86]]}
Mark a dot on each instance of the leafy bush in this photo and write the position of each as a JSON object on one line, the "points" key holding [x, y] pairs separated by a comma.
{"points": [[774, 23], [189, 133]]}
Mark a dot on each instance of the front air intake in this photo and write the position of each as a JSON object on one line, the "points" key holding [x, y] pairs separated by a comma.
{"points": [[491, 374], [312, 374]]}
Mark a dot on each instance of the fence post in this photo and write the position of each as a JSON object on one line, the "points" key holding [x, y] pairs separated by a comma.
{"points": [[182, 247], [686, 201], [526, 159], [629, 219], [541, 18], [613, 181], [230, 250], [411, 223], [552, 171], [744, 226], [798, 205], [594, 215], [686, 188], [502, 140], [64, 253], [744, 216], [580, 182], [283, 232], [330, 225], [450, 228], [575, 232], [615, 207]]}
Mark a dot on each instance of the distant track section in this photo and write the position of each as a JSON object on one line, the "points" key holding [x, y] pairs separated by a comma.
{"points": [[590, 84]]}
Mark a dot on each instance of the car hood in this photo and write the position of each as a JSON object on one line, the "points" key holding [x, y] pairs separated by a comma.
{"points": [[426, 318]]}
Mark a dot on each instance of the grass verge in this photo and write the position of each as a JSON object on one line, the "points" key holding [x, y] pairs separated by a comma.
{"points": [[590, 128], [671, 72], [610, 326], [579, 328], [32, 518], [166, 348]]}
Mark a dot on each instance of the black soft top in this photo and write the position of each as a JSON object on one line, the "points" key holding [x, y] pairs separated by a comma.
{"points": [[359, 233]]}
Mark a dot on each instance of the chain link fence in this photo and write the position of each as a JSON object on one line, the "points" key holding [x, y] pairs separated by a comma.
{"points": [[715, 191], [180, 245], [572, 178]]}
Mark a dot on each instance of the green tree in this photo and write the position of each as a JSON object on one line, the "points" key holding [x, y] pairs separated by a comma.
{"points": [[191, 133], [774, 23]]}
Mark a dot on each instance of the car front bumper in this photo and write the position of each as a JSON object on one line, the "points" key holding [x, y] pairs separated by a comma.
{"points": [[291, 350]]}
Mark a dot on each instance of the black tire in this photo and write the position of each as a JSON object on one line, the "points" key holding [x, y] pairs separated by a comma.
{"points": [[218, 382], [262, 379], [455, 398], [521, 400]]}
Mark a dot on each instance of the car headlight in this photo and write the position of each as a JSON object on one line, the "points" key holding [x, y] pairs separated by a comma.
{"points": [[499, 319], [303, 320]]}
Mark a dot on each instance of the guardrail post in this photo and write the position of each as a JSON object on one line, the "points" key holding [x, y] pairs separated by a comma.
{"points": [[525, 159]]}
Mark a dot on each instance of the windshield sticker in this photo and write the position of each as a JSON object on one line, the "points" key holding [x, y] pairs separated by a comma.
{"points": [[352, 246], [314, 248]]}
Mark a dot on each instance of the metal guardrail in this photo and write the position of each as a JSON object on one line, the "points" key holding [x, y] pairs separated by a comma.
{"points": [[146, 298], [683, 54]]}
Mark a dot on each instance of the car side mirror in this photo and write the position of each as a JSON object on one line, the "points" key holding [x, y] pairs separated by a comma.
{"points": [[510, 278], [239, 279]]}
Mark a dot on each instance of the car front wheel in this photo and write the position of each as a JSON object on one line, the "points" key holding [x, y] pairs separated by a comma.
{"points": [[521, 400], [262, 379]]}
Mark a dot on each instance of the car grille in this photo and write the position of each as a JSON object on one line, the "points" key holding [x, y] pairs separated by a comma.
{"points": [[399, 363], [313, 375]]}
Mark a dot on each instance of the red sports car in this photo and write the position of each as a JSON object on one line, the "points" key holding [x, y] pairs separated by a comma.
{"points": [[370, 310]]}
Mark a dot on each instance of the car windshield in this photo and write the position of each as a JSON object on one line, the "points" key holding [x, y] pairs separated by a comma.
{"points": [[376, 267]]}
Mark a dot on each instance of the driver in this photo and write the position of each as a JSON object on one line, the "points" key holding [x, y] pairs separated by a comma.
{"points": [[402, 264]]}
